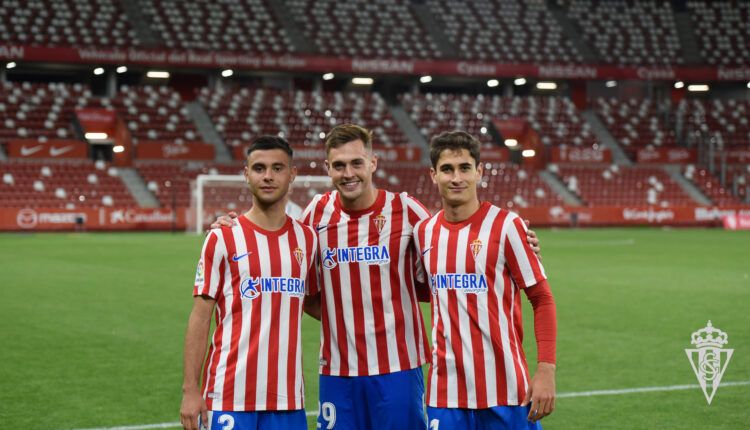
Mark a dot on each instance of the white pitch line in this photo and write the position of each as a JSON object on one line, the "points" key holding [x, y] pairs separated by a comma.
{"points": [[644, 390], [559, 396]]}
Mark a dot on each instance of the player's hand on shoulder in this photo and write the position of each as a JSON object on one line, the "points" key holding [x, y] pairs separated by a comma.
{"points": [[541, 392], [192, 407], [533, 240], [224, 220]]}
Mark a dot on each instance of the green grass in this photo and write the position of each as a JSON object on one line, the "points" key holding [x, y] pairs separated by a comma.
{"points": [[92, 326]]}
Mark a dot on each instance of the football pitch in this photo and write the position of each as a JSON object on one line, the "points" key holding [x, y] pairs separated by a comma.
{"points": [[93, 325]]}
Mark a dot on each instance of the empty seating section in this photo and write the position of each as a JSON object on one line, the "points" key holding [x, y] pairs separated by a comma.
{"points": [[635, 123], [617, 185], [154, 113], [61, 185], [639, 32], [39, 111], [65, 23], [555, 119], [726, 121], [514, 31], [302, 117], [245, 25], [363, 28], [711, 186], [722, 30], [170, 182]]}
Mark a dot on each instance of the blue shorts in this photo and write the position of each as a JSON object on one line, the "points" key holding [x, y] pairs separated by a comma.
{"points": [[257, 420], [392, 401], [497, 418]]}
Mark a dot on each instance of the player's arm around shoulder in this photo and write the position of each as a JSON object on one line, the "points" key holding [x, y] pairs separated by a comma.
{"points": [[196, 337]]}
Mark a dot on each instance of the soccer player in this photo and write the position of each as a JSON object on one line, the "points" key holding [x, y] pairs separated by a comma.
{"points": [[373, 339], [477, 263], [252, 278]]}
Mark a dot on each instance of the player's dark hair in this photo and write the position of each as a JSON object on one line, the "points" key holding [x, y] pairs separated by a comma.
{"points": [[345, 133], [270, 142], [453, 141]]}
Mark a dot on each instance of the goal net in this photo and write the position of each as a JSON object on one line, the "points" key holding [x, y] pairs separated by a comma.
{"points": [[214, 195]]}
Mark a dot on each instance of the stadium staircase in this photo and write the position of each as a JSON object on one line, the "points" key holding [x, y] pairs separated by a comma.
{"points": [[689, 187], [554, 182], [137, 187], [141, 25], [302, 44], [605, 137], [208, 132], [572, 31], [688, 42], [410, 130], [425, 17]]}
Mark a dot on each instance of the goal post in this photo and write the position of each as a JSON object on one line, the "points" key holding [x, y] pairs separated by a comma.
{"points": [[215, 194]]}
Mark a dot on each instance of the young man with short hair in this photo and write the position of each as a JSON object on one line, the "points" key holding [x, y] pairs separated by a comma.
{"points": [[477, 262], [373, 339], [253, 278]]}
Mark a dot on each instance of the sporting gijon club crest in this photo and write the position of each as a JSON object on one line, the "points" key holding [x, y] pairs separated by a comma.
{"points": [[709, 360]]}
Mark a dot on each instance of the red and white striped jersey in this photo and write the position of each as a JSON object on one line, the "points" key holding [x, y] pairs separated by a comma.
{"points": [[371, 322], [258, 279], [475, 270]]}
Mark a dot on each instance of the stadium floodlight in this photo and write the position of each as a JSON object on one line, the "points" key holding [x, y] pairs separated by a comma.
{"points": [[546, 86], [322, 135], [206, 203], [748, 84], [483, 130], [492, 83], [519, 81], [10, 65], [610, 84], [157, 74], [122, 69], [425, 79], [227, 73], [118, 149], [528, 153], [99, 71], [362, 81], [698, 88], [328, 76], [679, 84], [511, 143], [96, 136]]}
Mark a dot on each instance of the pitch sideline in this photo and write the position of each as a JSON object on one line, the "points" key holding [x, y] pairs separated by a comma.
{"points": [[559, 396]]}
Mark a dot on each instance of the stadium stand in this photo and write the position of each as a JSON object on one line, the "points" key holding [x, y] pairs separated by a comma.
{"points": [[556, 119], [62, 184], [722, 30], [363, 28], [246, 25], [711, 186], [301, 116], [725, 120], [154, 113], [635, 123], [66, 23], [170, 181], [40, 111], [640, 32], [514, 31], [619, 185]]}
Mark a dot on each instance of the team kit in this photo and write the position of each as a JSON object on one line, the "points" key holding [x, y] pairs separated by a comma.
{"points": [[360, 260]]}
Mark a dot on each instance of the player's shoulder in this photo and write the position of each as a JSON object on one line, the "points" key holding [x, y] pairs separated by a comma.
{"points": [[430, 219], [303, 226]]}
